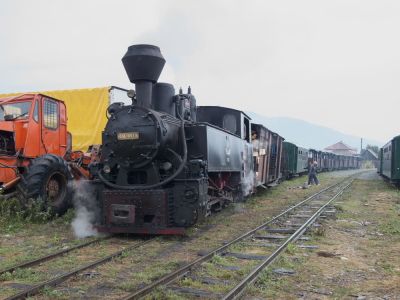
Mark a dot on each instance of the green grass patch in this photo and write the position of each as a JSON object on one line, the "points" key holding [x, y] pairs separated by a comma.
{"points": [[53, 293], [391, 226], [23, 275], [17, 214], [148, 275]]}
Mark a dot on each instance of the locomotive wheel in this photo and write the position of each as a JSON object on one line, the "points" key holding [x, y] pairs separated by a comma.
{"points": [[47, 178]]}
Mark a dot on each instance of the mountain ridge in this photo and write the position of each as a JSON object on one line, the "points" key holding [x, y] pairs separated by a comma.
{"points": [[307, 134]]}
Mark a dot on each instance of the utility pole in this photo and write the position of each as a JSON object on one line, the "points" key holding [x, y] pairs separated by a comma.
{"points": [[361, 145]]}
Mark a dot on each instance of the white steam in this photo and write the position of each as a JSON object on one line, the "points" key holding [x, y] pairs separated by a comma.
{"points": [[248, 183], [85, 209], [82, 224]]}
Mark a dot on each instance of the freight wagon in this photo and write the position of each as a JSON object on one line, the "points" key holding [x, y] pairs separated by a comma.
{"points": [[267, 154]]}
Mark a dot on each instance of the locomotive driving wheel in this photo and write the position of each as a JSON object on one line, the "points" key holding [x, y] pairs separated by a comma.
{"points": [[47, 179]]}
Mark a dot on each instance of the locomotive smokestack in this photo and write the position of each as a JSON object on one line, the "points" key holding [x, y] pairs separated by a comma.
{"points": [[143, 64]]}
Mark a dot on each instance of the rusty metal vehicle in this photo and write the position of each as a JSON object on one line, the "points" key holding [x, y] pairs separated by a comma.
{"points": [[35, 150]]}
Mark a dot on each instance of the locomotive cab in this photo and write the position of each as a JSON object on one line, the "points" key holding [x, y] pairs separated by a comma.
{"points": [[232, 120]]}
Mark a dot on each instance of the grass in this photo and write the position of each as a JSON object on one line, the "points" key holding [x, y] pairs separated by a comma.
{"points": [[53, 293], [391, 227], [16, 215], [269, 284], [388, 268], [145, 266], [369, 218], [23, 275], [292, 249], [155, 271]]}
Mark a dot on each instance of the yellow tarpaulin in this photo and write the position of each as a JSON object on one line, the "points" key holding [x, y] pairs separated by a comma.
{"points": [[86, 112]]}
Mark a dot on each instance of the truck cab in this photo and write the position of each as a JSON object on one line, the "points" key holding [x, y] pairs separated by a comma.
{"points": [[32, 125], [33, 142]]}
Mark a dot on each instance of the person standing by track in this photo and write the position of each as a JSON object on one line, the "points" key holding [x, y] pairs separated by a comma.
{"points": [[312, 173]]}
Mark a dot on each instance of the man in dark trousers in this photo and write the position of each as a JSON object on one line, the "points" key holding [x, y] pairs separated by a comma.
{"points": [[312, 173]]}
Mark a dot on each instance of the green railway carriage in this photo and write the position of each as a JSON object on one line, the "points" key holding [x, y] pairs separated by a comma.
{"points": [[302, 160], [380, 166], [390, 160], [295, 160]]}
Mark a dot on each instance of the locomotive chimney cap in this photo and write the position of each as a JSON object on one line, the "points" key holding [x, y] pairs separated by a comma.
{"points": [[143, 63]]}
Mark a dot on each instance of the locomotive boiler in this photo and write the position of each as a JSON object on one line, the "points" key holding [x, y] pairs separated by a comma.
{"points": [[165, 163]]}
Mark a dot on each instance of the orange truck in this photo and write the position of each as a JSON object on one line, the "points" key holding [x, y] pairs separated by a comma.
{"points": [[42, 148]]}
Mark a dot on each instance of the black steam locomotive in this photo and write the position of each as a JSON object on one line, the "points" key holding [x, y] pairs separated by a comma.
{"points": [[166, 163]]}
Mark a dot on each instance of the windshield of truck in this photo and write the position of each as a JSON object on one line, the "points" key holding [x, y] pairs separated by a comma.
{"points": [[18, 110]]}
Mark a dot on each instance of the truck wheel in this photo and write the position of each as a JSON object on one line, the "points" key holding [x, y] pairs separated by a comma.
{"points": [[47, 178]]}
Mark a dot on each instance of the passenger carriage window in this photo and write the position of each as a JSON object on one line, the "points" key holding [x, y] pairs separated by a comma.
{"points": [[229, 123], [50, 114]]}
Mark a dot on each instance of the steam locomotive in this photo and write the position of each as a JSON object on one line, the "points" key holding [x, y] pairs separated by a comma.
{"points": [[166, 163]]}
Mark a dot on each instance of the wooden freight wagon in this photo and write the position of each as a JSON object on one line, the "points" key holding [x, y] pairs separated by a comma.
{"points": [[267, 154]]}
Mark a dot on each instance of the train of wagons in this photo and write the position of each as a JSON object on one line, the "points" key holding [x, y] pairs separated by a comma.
{"points": [[389, 161], [166, 163]]}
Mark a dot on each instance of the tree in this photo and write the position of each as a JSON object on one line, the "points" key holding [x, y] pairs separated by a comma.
{"points": [[373, 148]]}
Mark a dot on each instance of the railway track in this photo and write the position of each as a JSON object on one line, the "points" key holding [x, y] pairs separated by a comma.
{"points": [[35, 289], [171, 281], [249, 251], [50, 256]]}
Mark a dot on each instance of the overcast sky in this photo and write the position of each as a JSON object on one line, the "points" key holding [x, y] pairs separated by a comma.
{"points": [[333, 63]]}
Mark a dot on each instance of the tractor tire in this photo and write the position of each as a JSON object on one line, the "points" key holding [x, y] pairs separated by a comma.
{"points": [[47, 178]]}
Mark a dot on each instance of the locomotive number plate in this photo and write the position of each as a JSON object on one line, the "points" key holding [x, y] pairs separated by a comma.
{"points": [[123, 136]]}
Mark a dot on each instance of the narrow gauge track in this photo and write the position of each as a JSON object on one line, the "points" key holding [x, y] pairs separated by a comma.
{"points": [[36, 289], [50, 256], [309, 209]]}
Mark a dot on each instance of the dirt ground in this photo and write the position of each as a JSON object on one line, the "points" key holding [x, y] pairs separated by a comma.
{"points": [[357, 255]]}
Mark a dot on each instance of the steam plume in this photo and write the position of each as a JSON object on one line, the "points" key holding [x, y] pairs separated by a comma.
{"points": [[85, 209]]}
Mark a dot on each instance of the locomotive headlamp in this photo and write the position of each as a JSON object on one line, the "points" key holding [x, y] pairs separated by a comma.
{"points": [[131, 94], [106, 169]]}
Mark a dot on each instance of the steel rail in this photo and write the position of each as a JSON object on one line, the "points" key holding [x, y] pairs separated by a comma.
{"points": [[61, 278], [50, 256], [170, 277], [252, 277]]}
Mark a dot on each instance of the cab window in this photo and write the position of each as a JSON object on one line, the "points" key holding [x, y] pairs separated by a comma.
{"points": [[36, 111], [50, 114], [229, 123]]}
